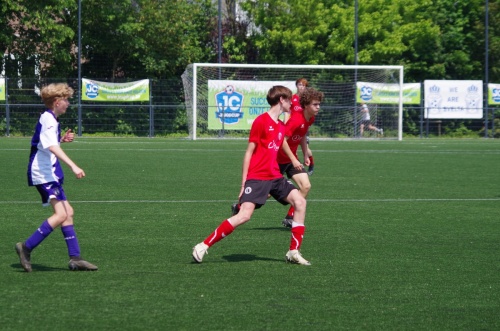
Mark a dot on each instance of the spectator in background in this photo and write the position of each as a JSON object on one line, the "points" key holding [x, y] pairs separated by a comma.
{"points": [[366, 121]]}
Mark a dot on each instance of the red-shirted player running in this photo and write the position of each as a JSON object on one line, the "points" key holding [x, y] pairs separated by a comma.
{"points": [[301, 85], [261, 177], [295, 135]]}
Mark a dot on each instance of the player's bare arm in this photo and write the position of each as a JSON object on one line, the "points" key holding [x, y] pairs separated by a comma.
{"points": [[59, 153], [286, 148]]}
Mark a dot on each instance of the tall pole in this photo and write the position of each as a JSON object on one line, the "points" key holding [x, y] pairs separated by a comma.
{"points": [[486, 65], [79, 68], [355, 32], [219, 49], [219, 34], [355, 69]]}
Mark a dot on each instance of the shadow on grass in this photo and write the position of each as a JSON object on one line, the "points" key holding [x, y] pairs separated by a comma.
{"points": [[247, 257], [37, 267]]}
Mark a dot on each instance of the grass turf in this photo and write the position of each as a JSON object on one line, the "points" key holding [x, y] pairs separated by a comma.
{"points": [[401, 236]]}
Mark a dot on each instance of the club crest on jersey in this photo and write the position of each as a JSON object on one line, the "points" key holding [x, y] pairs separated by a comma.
{"points": [[229, 105]]}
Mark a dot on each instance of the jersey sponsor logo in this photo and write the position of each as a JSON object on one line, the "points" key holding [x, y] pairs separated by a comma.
{"points": [[229, 103], [273, 145], [296, 137]]}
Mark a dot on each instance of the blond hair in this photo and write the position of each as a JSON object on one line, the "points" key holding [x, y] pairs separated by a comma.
{"points": [[50, 93]]}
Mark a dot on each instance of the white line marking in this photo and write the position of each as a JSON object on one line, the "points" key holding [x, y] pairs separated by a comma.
{"points": [[230, 201]]}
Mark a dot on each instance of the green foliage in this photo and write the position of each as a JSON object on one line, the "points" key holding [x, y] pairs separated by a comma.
{"points": [[441, 39], [38, 35]]}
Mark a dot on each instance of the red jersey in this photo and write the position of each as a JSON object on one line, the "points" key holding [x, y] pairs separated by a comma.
{"points": [[295, 104], [296, 128], [268, 136]]}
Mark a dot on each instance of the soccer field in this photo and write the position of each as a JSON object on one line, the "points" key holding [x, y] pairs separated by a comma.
{"points": [[402, 235]]}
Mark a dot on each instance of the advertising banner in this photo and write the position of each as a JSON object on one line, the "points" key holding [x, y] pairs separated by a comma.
{"points": [[2, 89], [236, 103], [494, 94], [453, 99], [388, 93], [93, 90]]}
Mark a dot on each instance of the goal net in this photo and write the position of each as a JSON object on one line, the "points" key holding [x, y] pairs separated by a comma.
{"points": [[222, 100]]}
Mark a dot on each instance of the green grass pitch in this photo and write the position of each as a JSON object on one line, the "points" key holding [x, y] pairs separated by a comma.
{"points": [[401, 236]]}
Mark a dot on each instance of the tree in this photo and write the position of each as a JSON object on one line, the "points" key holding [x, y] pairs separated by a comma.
{"points": [[152, 38], [38, 36]]}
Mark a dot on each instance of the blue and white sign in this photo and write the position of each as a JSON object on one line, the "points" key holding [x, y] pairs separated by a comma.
{"points": [[453, 99]]}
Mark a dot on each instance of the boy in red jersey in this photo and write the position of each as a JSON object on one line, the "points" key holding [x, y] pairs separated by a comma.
{"points": [[301, 85], [295, 135], [261, 177]]}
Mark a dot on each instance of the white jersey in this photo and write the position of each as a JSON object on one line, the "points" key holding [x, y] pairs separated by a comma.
{"points": [[365, 113], [43, 165]]}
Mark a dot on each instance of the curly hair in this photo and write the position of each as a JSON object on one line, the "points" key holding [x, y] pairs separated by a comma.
{"points": [[55, 91], [309, 95]]}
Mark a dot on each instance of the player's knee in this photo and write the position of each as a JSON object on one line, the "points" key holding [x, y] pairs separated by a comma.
{"points": [[305, 187], [60, 217], [300, 203]]}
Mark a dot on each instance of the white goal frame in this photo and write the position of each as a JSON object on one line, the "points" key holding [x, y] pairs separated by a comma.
{"points": [[196, 66]]}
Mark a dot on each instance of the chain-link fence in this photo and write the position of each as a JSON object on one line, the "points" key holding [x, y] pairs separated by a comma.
{"points": [[163, 115]]}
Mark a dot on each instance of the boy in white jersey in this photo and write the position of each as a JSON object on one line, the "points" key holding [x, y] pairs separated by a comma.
{"points": [[45, 173]]}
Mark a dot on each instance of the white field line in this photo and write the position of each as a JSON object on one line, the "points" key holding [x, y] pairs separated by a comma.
{"points": [[230, 201], [364, 151]]}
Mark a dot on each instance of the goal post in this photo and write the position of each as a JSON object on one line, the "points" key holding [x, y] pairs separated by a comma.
{"points": [[222, 100]]}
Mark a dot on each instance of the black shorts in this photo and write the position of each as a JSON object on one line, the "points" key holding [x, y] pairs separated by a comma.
{"points": [[257, 191], [289, 170]]}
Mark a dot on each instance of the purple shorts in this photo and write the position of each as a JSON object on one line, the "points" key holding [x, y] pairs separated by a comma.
{"points": [[52, 190], [257, 191]]}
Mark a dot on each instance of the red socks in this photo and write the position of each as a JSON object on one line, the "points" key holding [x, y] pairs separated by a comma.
{"points": [[297, 235], [311, 159], [224, 229], [290, 211]]}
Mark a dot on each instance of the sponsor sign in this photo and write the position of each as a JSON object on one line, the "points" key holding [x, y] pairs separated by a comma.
{"points": [[93, 90], [235, 104], [453, 99], [2, 89], [388, 93], [493, 94]]}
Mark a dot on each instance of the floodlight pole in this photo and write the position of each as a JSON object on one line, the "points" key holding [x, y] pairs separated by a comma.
{"points": [[219, 51], [79, 68], [486, 64], [356, 69]]}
